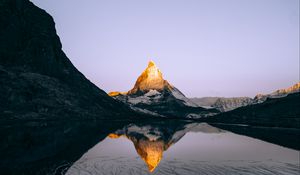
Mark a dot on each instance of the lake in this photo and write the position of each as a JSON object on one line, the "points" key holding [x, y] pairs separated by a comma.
{"points": [[188, 148]]}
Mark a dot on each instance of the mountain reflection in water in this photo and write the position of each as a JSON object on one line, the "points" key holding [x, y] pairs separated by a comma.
{"points": [[184, 148], [150, 142]]}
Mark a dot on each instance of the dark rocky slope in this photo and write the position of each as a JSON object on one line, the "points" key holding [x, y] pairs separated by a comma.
{"points": [[274, 112], [37, 80], [42, 96]]}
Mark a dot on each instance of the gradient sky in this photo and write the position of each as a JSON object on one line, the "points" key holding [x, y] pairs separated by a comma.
{"points": [[203, 47]]}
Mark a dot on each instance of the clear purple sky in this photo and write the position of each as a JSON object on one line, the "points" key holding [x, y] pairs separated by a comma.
{"points": [[203, 47]]}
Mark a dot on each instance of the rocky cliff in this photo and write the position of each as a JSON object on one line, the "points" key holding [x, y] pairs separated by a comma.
{"points": [[37, 80], [228, 104], [50, 114]]}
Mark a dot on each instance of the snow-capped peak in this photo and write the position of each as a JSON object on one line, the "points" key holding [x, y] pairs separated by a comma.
{"points": [[153, 94], [150, 79]]}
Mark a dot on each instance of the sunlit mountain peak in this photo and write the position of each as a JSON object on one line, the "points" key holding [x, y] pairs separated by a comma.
{"points": [[152, 71], [151, 63], [150, 79]]}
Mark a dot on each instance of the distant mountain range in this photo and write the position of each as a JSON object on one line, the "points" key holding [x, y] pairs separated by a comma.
{"points": [[227, 104], [154, 95], [223, 104], [278, 93], [273, 112]]}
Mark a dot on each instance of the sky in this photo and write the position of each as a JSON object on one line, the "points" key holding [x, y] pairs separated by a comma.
{"points": [[203, 47]]}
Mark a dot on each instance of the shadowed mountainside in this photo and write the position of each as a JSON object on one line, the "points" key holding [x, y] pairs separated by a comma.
{"points": [[37, 80], [274, 112], [50, 114], [224, 104]]}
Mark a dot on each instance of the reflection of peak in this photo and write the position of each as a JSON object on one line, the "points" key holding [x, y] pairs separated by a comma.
{"points": [[113, 136], [151, 140], [150, 151]]}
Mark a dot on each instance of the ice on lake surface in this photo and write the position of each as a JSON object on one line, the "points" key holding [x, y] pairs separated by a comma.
{"points": [[188, 149]]}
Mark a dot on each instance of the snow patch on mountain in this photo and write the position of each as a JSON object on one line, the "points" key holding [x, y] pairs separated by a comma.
{"points": [[179, 95]]}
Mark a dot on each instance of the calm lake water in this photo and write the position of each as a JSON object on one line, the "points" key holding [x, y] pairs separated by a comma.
{"points": [[190, 148]]}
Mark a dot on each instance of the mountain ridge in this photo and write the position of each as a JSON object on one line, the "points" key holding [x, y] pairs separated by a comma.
{"points": [[278, 93], [225, 104], [273, 112]]}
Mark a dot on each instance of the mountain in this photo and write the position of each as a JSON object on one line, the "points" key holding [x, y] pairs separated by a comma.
{"points": [[259, 98], [152, 94], [273, 112], [223, 104], [37, 80], [150, 79], [227, 104], [50, 114]]}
